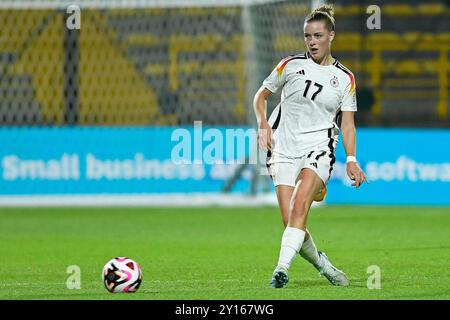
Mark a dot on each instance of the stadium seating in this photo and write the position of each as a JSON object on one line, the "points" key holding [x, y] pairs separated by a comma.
{"points": [[174, 66], [405, 65]]}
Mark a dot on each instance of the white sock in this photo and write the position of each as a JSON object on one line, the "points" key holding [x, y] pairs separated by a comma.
{"points": [[309, 251], [291, 242]]}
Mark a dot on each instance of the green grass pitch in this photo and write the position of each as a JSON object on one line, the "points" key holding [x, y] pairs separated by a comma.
{"points": [[223, 253]]}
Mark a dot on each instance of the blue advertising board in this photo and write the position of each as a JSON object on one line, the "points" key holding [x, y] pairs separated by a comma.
{"points": [[406, 167], [83, 161]]}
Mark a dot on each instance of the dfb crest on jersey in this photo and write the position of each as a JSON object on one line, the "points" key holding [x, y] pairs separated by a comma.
{"points": [[334, 82]]}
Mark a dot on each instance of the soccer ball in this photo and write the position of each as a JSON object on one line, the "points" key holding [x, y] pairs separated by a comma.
{"points": [[122, 274]]}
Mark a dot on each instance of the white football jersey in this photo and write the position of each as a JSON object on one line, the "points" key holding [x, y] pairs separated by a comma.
{"points": [[312, 98]]}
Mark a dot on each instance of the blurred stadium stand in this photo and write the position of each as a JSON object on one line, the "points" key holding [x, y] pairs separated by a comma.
{"points": [[171, 66]]}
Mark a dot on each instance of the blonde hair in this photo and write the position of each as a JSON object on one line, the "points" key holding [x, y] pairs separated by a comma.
{"points": [[323, 13]]}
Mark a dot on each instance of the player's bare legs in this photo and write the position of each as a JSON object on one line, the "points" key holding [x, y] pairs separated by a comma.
{"points": [[305, 190], [295, 235], [295, 232], [284, 195]]}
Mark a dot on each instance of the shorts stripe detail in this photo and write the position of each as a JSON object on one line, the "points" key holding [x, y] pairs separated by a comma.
{"points": [[332, 157]]}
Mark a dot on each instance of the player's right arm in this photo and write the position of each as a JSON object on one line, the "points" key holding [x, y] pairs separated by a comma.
{"points": [[260, 108], [271, 84]]}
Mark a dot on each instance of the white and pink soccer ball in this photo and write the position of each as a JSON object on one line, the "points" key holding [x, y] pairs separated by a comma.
{"points": [[122, 274]]}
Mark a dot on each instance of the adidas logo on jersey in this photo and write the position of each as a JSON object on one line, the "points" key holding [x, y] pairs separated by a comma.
{"points": [[301, 72]]}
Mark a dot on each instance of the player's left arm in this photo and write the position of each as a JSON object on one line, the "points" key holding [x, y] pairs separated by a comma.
{"points": [[348, 131]]}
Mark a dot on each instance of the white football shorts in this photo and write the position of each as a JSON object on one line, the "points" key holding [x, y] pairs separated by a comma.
{"points": [[285, 170]]}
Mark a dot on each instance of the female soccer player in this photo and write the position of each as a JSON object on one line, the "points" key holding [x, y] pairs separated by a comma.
{"points": [[301, 135]]}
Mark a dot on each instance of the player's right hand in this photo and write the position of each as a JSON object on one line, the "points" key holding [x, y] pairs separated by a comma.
{"points": [[265, 136]]}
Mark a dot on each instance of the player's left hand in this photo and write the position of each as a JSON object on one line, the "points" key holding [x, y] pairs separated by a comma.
{"points": [[355, 173]]}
